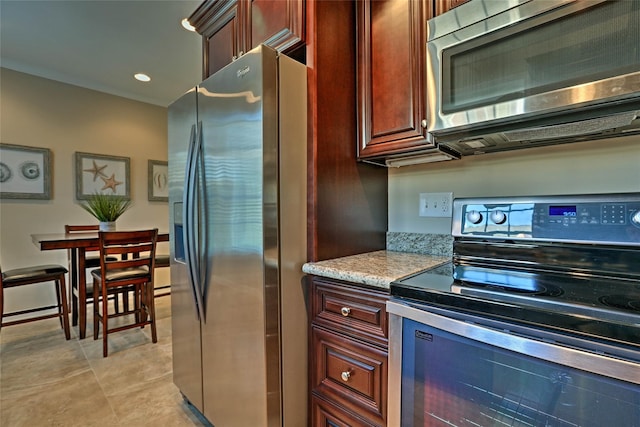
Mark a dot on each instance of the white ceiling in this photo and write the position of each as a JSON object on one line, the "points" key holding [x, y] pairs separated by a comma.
{"points": [[100, 44]]}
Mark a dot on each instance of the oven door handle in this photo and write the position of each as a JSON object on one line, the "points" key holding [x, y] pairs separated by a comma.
{"points": [[620, 369]]}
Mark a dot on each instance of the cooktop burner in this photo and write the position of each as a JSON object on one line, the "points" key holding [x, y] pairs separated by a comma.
{"points": [[622, 302], [505, 281]]}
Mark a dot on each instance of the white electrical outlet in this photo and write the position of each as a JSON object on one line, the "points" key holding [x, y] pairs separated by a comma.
{"points": [[436, 204]]}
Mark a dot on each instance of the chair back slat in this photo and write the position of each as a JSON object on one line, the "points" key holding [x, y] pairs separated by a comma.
{"points": [[129, 263], [129, 245], [120, 249]]}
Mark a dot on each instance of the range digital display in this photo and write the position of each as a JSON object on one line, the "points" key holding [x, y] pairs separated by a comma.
{"points": [[562, 210]]}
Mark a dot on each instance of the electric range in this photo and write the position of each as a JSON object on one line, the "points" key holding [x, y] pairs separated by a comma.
{"points": [[569, 264]]}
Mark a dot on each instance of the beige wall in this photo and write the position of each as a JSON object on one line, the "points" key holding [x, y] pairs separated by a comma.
{"points": [[603, 166], [64, 118]]}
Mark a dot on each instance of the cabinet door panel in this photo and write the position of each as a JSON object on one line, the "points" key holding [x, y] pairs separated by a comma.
{"points": [[221, 47], [278, 24], [324, 414], [391, 76], [391, 66], [350, 373], [222, 35]]}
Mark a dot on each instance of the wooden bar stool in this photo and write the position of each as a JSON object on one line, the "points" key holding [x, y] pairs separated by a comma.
{"points": [[32, 275], [132, 271]]}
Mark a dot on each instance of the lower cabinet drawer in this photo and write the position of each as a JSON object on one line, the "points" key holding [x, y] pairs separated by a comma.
{"points": [[351, 309], [325, 414], [350, 373]]}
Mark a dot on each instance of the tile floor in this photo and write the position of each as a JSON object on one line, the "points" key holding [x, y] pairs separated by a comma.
{"points": [[48, 381]]}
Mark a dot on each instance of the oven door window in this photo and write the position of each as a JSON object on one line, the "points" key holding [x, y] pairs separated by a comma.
{"points": [[448, 380]]}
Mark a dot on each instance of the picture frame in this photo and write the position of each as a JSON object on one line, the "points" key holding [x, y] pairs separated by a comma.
{"points": [[98, 173], [25, 172], [158, 180]]}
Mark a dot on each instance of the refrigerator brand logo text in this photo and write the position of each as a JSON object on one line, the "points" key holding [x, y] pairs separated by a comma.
{"points": [[242, 71]]}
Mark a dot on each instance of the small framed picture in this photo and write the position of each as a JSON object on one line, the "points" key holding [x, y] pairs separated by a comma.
{"points": [[25, 172], [96, 173], [158, 177]]}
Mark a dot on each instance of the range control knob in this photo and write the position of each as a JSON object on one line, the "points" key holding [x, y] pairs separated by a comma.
{"points": [[635, 218], [498, 217], [474, 217]]}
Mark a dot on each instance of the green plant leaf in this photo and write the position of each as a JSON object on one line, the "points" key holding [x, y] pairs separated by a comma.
{"points": [[106, 207]]}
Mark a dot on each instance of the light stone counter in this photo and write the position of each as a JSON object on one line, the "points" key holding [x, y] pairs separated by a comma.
{"points": [[378, 268]]}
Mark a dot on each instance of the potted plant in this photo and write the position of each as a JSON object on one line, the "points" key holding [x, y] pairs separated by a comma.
{"points": [[106, 208]]}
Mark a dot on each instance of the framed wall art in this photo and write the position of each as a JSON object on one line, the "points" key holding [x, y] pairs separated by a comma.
{"points": [[158, 178], [25, 172], [97, 173]]}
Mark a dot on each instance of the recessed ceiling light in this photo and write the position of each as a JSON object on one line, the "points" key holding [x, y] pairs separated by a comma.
{"points": [[142, 77], [186, 25]]}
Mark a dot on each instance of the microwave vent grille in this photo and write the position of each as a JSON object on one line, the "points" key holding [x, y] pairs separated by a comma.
{"points": [[574, 129]]}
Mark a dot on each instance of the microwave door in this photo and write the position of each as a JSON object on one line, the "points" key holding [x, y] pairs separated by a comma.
{"points": [[534, 65]]}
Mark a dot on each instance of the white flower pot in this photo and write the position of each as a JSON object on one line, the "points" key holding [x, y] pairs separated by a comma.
{"points": [[108, 226]]}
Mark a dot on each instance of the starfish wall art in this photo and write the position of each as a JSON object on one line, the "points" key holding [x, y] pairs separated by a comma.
{"points": [[96, 173]]}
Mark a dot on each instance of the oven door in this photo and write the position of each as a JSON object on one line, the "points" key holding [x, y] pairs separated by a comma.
{"points": [[451, 371]]}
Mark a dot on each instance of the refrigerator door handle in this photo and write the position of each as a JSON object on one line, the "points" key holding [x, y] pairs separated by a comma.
{"points": [[202, 263], [189, 230]]}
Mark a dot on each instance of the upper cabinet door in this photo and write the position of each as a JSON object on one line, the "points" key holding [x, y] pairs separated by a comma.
{"points": [[229, 28], [391, 43], [221, 25], [279, 24]]}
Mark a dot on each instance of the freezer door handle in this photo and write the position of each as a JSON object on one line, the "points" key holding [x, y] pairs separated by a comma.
{"points": [[190, 221], [202, 264]]}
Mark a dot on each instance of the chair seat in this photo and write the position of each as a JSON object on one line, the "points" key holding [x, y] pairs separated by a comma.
{"points": [[121, 274], [162, 261], [30, 276], [29, 273]]}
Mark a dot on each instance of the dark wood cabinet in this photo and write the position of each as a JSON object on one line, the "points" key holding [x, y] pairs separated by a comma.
{"points": [[391, 68], [279, 24], [349, 354], [232, 27], [347, 199], [442, 6]]}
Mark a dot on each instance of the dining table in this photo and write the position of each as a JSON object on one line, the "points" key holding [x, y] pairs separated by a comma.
{"points": [[77, 244]]}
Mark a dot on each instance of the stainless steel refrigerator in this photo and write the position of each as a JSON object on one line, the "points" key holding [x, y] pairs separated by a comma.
{"points": [[237, 196]]}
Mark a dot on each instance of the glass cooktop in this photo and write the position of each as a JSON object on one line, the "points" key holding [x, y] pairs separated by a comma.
{"points": [[564, 301]]}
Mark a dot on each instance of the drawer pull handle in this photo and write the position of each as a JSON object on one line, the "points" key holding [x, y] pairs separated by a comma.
{"points": [[346, 375], [345, 311]]}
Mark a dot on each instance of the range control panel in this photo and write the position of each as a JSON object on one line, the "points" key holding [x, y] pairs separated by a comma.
{"points": [[610, 219]]}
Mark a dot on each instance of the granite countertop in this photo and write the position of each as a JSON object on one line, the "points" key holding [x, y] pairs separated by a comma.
{"points": [[378, 268]]}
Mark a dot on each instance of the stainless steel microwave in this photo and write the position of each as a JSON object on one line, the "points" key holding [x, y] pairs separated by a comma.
{"points": [[520, 73]]}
